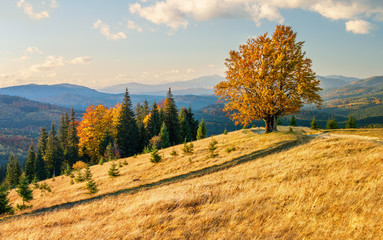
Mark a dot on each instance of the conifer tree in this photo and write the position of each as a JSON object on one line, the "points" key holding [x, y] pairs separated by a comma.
{"points": [[201, 132], [279, 121], [68, 170], [63, 131], [127, 130], [314, 124], [91, 186], [212, 148], [171, 119], [88, 174], [164, 135], [42, 145], [3, 173], [30, 164], [161, 114], [185, 129], [154, 156], [225, 132], [53, 154], [5, 206], [105, 141], [143, 136], [73, 140], [113, 170], [40, 169], [351, 122], [154, 122], [109, 153], [23, 189], [79, 177], [332, 123], [293, 121], [141, 112], [13, 172], [193, 123]]}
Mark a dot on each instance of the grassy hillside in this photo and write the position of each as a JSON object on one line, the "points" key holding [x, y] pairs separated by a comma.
{"points": [[282, 185]]}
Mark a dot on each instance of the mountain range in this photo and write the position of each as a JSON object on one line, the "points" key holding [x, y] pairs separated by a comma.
{"points": [[197, 93], [198, 86]]}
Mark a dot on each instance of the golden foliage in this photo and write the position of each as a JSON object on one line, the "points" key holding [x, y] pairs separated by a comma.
{"points": [[268, 77], [96, 122], [79, 165]]}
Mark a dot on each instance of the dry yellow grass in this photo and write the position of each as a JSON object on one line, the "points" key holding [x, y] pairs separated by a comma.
{"points": [[324, 188]]}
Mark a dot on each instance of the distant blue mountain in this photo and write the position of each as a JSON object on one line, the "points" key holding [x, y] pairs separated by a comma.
{"points": [[80, 97], [198, 86]]}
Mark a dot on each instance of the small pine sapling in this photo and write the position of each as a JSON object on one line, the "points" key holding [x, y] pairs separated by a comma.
{"points": [[35, 182], [173, 153], [87, 174], [188, 149], [332, 123], [212, 147], [79, 177], [67, 170], [113, 170], [101, 162], [230, 149], [24, 191], [293, 121], [314, 125], [225, 132], [119, 164], [91, 186], [154, 156]]}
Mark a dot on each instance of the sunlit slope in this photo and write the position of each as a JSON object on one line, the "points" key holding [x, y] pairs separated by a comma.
{"points": [[297, 186]]}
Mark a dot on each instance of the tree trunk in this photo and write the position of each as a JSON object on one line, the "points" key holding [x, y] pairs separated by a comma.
{"points": [[271, 124]]}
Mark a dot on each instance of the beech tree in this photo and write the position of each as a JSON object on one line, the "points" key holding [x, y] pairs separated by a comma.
{"points": [[268, 77]]}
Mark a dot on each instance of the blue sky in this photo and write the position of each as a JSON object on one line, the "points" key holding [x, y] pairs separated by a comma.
{"points": [[100, 43]]}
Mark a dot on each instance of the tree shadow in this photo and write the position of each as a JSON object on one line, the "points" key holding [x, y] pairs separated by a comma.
{"points": [[279, 147]]}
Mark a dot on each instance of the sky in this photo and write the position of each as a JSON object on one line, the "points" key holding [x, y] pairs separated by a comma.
{"points": [[99, 43]]}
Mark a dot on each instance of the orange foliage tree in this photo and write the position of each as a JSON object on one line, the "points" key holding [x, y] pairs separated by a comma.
{"points": [[96, 122], [268, 77]]}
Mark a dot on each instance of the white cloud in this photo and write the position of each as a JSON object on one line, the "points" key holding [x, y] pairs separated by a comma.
{"points": [[105, 30], [50, 63], [161, 13], [132, 25], [358, 26], [81, 60], [23, 59], [175, 13], [53, 4], [29, 9], [32, 50]]}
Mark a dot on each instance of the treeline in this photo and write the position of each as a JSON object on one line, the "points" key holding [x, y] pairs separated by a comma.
{"points": [[105, 134]]}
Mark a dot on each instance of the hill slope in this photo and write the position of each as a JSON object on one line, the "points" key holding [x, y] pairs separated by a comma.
{"points": [[288, 186], [20, 123]]}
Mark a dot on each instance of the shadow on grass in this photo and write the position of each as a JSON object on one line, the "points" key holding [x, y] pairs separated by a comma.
{"points": [[282, 146]]}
